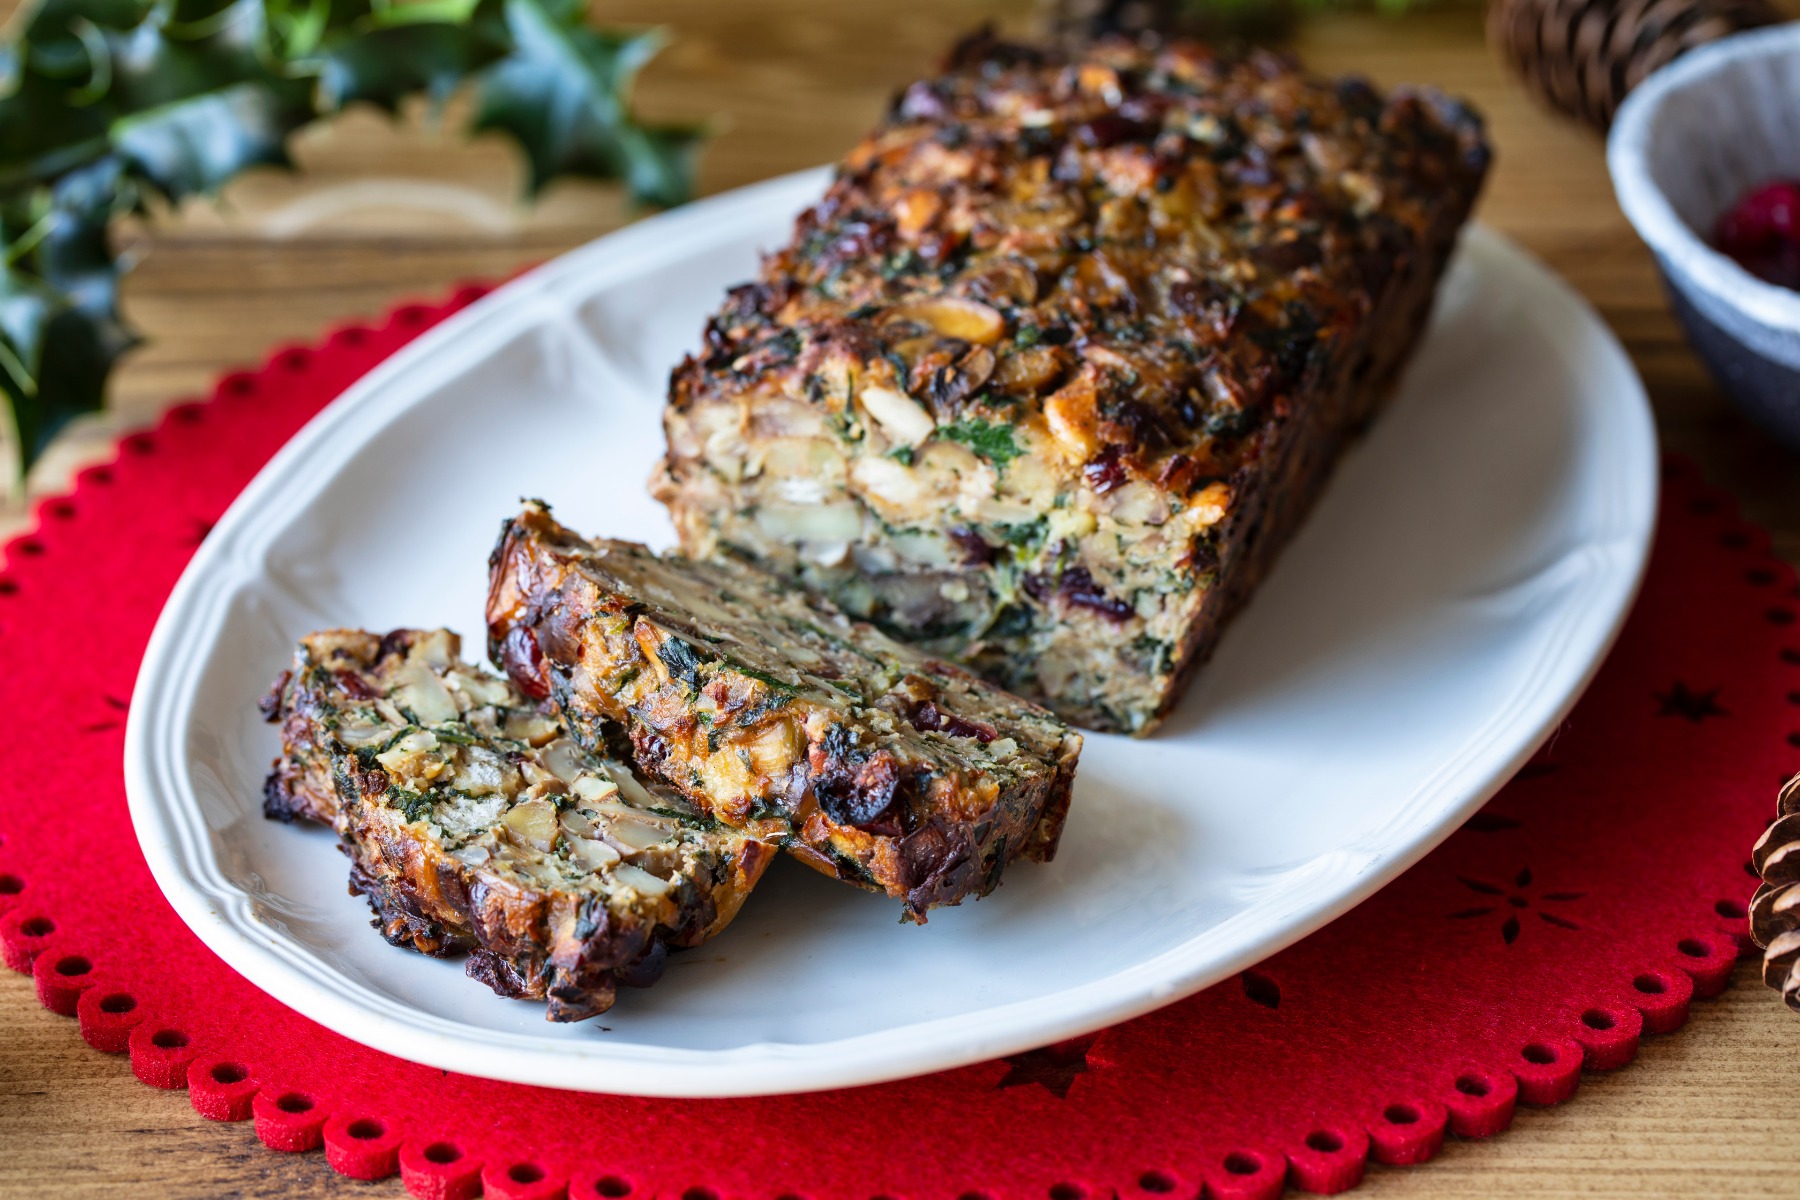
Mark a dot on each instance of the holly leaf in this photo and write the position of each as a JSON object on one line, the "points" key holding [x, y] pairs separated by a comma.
{"points": [[77, 357], [194, 145], [60, 331], [562, 94], [106, 103], [405, 56]]}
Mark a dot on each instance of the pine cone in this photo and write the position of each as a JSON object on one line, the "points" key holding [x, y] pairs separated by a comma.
{"points": [[1584, 55], [1775, 909]]}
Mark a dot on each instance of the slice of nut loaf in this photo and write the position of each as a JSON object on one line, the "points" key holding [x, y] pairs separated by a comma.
{"points": [[473, 822], [869, 759]]}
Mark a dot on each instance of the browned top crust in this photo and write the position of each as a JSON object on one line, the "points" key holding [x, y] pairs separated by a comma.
{"points": [[1134, 252]]}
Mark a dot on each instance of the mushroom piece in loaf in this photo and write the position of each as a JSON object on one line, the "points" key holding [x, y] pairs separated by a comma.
{"points": [[473, 822], [1062, 358], [868, 759]]}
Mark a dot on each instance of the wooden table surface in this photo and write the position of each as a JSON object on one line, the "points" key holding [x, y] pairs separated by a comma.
{"points": [[380, 212]]}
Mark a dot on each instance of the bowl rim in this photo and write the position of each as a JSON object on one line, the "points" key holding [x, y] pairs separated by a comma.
{"points": [[1649, 210]]}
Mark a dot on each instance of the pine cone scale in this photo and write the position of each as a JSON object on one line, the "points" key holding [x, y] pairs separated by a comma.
{"points": [[1583, 56], [1775, 909]]}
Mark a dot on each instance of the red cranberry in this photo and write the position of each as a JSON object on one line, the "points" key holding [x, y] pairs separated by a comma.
{"points": [[1762, 232]]}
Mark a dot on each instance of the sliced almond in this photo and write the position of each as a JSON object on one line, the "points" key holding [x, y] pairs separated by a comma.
{"points": [[640, 880], [1073, 414], [425, 696], [953, 317], [592, 854], [901, 417], [357, 734], [592, 787], [636, 836], [562, 758], [533, 823]]}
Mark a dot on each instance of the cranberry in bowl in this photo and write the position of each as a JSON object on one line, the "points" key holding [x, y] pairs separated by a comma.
{"points": [[1702, 154]]}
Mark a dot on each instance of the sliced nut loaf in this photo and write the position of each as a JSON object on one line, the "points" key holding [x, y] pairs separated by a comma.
{"points": [[473, 822], [869, 759]]}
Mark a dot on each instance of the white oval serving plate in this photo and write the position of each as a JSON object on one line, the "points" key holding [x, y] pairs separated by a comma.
{"points": [[1442, 609]]}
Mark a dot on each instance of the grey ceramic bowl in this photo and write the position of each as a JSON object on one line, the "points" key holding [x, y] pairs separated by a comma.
{"points": [[1687, 143]]}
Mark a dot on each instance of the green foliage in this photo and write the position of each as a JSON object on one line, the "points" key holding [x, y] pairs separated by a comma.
{"points": [[109, 105], [992, 442]]}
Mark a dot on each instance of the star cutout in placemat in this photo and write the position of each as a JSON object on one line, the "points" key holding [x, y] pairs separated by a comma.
{"points": [[1055, 1067], [1683, 701]]}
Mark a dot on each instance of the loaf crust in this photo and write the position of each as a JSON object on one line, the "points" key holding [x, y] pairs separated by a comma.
{"points": [[867, 759], [474, 824], [1067, 351]]}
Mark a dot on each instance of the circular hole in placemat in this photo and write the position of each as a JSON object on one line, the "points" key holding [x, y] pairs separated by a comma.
{"points": [[1157, 1181], [1780, 616], [228, 1073], [1703, 506], [73, 964], [974, 1196], [412, 315], [1400, 1114], [62, 510], [365, 1129], [612, 1186], [1734, 539], [294, 360], [699, 1193], [8, 588], [1067, 1191], [1323, 1141], [1242, 1162], [1731, 910], [525, 1173], [11, 885], [119, 1003], [294, 1102], [1692, 947], [1596, 1019], [1537, 1052], [100, 475], [37, 927], [29, 549], [1759, 577], [441, 1153], [1472, 1085], [168, 1039], [1650, 985]]}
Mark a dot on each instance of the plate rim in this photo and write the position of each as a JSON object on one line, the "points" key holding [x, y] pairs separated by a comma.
{"points": [[175, 840]]}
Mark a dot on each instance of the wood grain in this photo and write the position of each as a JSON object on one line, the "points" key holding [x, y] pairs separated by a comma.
{"points": [[1700, 1112]]}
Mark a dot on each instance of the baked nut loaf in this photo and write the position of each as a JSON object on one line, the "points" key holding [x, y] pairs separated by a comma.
{"points": [[474, 823], [868, 759], [1066, 352]]}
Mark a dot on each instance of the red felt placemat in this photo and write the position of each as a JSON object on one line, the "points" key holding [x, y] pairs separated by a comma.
{"points": [[1584, 906]]}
